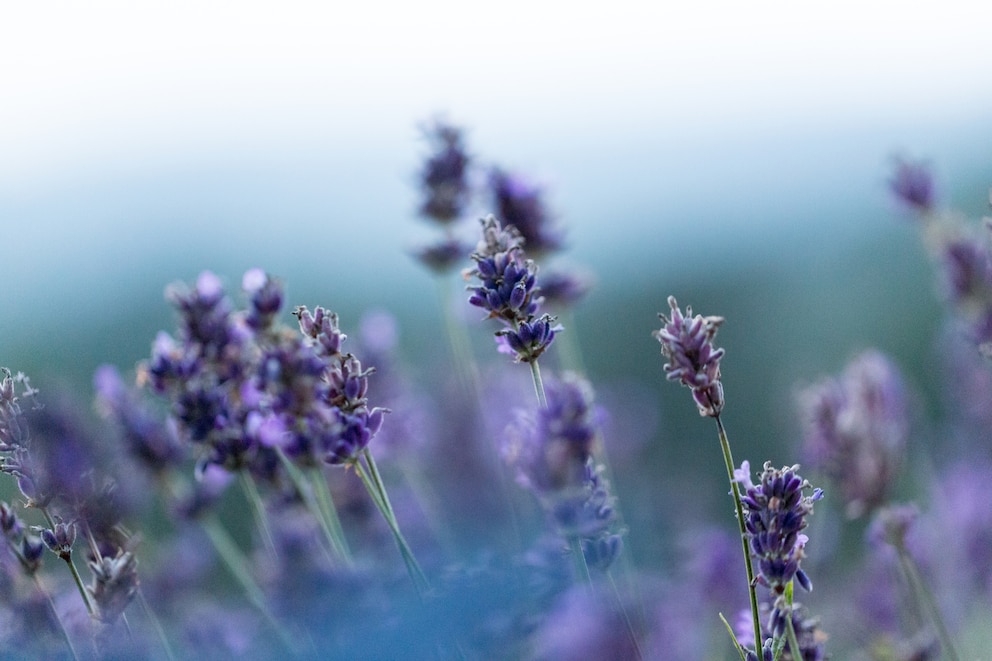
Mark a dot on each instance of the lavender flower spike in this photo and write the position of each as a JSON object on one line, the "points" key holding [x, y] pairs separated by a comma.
{"points": [[687, 343], [776, 510]]}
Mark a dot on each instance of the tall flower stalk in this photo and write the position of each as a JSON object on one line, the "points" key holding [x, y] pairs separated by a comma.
{"points": [[508, 291], [694, 361]]}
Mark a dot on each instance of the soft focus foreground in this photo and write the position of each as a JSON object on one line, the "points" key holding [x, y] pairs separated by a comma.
{"points": [[273, 481]]}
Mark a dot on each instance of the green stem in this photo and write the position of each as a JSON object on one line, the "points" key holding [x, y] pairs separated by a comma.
{"points": [[237, 564], [257, 509], [626, 618], [72, 566], [728, 460], [790, 631], [307, 492], [579, 560], [461, 349], [55, 614], [925, 597], [156, 624], [535, 372], [330, 513], [378, 493]]}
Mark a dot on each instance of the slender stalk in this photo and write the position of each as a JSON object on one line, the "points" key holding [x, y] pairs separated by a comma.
{"points": [[465, 367], [307, 491], [728, 460], [790, 632], [236, 564], [626, 618], [156, 624], [72, 566], [579, 560], [55, 614], [925, 597], [325, 504], [535, 372], [257, 509], [378, 493], [570, 350]]}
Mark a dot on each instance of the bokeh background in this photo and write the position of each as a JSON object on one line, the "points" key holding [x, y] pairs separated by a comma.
{"points": [[733, 155]]}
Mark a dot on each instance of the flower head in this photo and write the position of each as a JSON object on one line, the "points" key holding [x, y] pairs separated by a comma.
{"points": [[444, 175], [693, 360], [856, 427], [913, 184], [520, 203], [508, 291], [775, 512], [552, 452]]}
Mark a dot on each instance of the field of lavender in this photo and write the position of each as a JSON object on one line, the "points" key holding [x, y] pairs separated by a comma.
{"points": [[275, 481]]}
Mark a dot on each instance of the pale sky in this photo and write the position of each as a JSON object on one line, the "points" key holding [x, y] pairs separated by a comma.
{"points": [[125, 81]]}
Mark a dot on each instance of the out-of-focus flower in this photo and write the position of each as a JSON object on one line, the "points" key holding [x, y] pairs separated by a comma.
{"points": [[552, 452], [444, 175], [519, 202], [912, 183], [693, 360], [855, 429]]}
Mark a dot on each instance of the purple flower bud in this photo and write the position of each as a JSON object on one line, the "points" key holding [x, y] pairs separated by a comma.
{"points": [[520, 203], [444, 176], [913, 184], [775, 512], [60, 538], [855, 429], [693, 360]]}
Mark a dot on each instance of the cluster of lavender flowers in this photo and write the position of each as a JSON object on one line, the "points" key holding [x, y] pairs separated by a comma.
{"points": [[325, 553]]}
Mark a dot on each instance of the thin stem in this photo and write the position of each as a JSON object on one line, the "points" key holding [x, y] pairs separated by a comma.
{"points": [[728, 460], [461, 350], [790, 632], [535, 372], [257, 509], [236, 563], [381, 500], [570, 351], [156, 624], [626, 618], [307, 493], [925, 597], [579, 560], [330, 513], [55, 614], [72, 566]]}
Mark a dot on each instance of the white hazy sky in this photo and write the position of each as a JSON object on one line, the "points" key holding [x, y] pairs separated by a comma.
{"points": [[116, 82]]}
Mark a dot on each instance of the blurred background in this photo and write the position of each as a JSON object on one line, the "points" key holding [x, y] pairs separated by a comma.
{"points": [[735, 156]]}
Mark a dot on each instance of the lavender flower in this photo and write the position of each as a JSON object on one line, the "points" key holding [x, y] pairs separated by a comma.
{"points": [[776, 511], [521, 203], [693, 360], [912, 183], [443, 255], [509, 292], [115, 582], [810, 637], [444, 177], [855, 429], [552, 452], [347, 424]]}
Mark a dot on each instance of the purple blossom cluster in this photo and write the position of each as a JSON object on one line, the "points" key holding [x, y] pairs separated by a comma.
{"points": [[508, 291], [776, 510], [693, 360], [241, 385], [120, 539], [552, 452], [855, 429]]}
